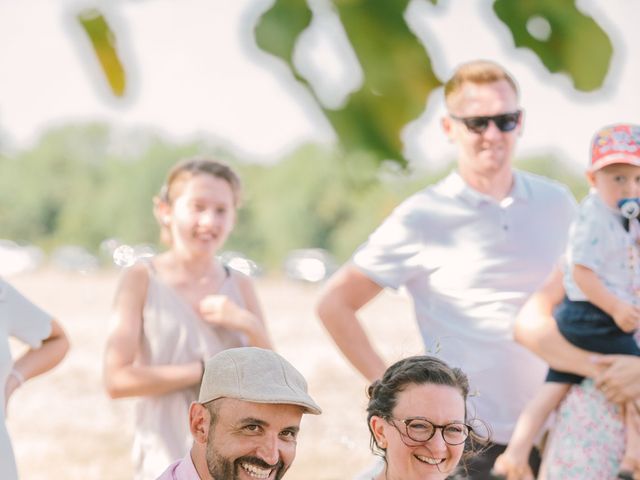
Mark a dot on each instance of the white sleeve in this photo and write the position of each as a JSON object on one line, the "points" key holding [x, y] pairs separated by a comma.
{"points": [[26, 321], [586, 241], [390, 257]]}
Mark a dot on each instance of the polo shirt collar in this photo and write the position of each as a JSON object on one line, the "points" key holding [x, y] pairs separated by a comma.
{"points": [[454, 185], [597, 200], [186, 470]]}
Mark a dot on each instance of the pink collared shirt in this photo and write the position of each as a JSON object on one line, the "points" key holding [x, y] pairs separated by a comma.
{"points": [[181, 470]]}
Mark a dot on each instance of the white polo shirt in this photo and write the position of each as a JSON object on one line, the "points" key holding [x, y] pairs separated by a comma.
{"points": [[470, 262]]}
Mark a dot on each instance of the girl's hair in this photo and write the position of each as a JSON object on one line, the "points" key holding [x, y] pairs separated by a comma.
{"points": [[417, 370], [187, 169], [190, 167]]}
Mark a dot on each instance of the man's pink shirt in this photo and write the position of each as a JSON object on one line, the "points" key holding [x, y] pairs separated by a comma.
{"points": [[181, 470]]}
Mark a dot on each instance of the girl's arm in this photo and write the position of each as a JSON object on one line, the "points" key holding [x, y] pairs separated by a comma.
{"points": [[122, 377], [220, 310], [536, 329], [38, 360], [257, 333]]}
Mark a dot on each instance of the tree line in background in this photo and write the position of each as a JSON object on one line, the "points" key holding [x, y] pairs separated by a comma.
{"points": [[82, 184], [395, 84]]}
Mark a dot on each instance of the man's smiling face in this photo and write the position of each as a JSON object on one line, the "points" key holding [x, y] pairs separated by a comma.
{"points": [[252, 440]]}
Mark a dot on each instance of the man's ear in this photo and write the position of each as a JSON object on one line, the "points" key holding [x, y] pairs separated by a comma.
{"points": [[445, 122], [378, 427], [591, 178], [199, 422]]}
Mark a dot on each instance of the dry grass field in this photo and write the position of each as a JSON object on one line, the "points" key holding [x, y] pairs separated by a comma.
{"points": [[64, 426]]}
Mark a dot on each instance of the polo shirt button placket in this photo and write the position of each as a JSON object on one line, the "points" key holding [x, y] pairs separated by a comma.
{"points": [[504, 221]]}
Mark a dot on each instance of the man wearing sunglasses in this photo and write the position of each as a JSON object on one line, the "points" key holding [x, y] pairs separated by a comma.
{"points": [[469, 250]]}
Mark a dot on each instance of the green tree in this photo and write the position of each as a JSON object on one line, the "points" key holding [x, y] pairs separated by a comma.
{"points": [[82, 184], [398, 77]]}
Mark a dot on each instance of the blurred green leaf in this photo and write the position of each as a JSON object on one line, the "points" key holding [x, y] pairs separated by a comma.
{"points": [[280, 26], [398, 76], [396, 83], [104, 45], [575, 45]]}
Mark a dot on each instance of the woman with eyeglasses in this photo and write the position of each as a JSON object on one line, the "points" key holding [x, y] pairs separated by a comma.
{"points": [[418, 420]]}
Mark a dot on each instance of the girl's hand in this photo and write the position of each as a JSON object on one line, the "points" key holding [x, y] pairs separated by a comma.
{"points": [[626, 316], [220, 310]]}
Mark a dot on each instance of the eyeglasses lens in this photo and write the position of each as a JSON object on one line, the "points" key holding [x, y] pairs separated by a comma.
{"points": [[420, 431], [455, 434]]}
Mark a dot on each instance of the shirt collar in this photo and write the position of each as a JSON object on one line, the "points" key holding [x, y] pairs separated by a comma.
{"points": [[186, 470], [454, 185], [603, 206]]}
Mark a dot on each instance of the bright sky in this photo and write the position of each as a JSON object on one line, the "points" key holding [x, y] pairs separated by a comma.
{"points": [[194, 68]]}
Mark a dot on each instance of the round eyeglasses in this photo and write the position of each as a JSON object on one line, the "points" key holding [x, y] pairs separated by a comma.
{"points": [[422, 430]]}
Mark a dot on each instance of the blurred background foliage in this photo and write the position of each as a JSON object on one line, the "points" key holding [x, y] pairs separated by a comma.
{"points": [[562, 37], [103, 42], [396, 84], [83, 184]]}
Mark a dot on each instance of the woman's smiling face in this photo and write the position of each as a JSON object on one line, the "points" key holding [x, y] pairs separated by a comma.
{"points": [[430, 460]]}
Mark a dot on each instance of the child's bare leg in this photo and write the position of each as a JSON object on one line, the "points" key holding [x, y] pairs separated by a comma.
{"points": [[630, 461], [514, 462]]}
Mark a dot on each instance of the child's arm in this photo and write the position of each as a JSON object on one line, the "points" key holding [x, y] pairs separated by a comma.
{"points": [[624, 314], [618, 376]]}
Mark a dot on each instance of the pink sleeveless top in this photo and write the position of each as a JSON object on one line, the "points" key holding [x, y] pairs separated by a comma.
{"points": [[174, 333]]}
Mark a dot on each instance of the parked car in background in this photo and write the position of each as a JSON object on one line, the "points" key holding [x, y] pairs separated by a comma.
{"points": [[74, 258], [309, 265], [240, 262], [16, 258], [123, 255]]}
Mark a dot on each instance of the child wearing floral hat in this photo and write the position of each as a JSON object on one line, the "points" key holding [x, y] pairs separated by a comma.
{"points": [[600, 312]]}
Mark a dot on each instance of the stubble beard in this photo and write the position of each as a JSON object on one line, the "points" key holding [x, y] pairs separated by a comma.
{"points": [[222, 468]]}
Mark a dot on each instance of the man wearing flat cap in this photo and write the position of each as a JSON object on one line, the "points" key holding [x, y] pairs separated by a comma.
{"points": [[247, 418]]}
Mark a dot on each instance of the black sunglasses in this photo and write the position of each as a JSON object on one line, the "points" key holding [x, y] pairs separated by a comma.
{"points": [[506, 122]]}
